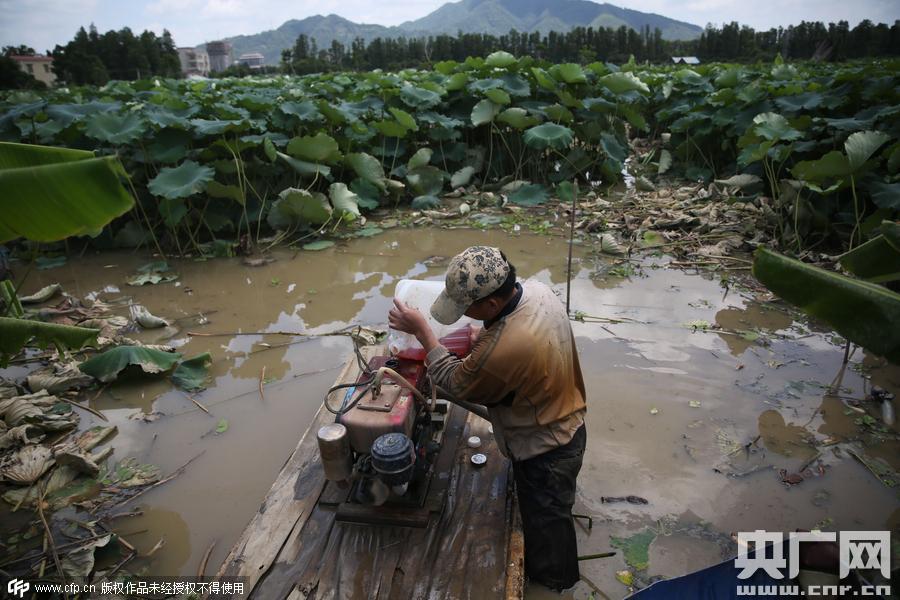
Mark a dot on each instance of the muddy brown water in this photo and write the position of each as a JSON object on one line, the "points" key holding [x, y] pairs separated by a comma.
{"points": [[668, 403]]}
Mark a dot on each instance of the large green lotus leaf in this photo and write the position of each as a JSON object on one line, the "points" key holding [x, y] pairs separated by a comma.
{"points": [[456, 82], [878, 260], [191, 374], [462, 177], [390, 128], [619, 83], [499, 59], [484, 112], [833, 165], [426, 181], [404, 118], [517, 118], [307, 169], [885, 195], [318, 148], [419, 98], [483, 85], [114, 128], [775, 127], [169, 146], [612, 147], [345, 202], [559, 113], [214, 189], [860, 147], [306, 111], [185, 180], [70, 113], [15, 333], [568, 72], [529, 195], [167, 119], [367, 193], [48, 194], [549, 135], [863, 312], [367, 167], [516, 85], [806, 101], [421, 158], [217, 127], [173, 210], [296, 207], [498, 96], [106, 367], [544, 79]]}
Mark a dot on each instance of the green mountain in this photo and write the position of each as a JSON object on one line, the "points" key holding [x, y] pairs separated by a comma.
{"points": [[499, 16], [496, 17]]}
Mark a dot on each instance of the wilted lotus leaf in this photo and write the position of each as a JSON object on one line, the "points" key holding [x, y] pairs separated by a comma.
{"points": [[106, 367], [25, 466]]}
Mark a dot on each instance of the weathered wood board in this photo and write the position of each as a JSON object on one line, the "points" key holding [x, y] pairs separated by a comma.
{"points": [[294, 548]]}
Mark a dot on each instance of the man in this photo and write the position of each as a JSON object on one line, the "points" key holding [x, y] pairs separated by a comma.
{"points": [[524, 368]]}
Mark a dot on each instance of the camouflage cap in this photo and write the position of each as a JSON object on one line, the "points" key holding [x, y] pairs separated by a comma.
{"points": [[474, 273]]}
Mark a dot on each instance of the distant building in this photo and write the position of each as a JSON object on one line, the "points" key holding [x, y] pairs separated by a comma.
{"points": [[193, 62], [219, 55], [254, 60], [685, 60], [38, 66]]}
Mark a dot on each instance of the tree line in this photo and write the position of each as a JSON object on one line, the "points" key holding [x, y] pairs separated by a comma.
{"points": [[731, 42], [94, 58]]}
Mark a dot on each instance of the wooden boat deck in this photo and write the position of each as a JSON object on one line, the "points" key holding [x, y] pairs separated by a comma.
{"points": [[472, 548]]}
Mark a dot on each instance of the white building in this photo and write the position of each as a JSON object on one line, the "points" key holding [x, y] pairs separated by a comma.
{"points": [[193, 62], [38, 66], [254, 60]]}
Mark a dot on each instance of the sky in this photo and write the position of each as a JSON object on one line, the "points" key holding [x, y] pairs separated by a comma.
{"points": [[42, 24]]}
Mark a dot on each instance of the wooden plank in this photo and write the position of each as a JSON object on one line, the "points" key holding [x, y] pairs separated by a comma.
{"points": [[288, 503], [382, 515]]}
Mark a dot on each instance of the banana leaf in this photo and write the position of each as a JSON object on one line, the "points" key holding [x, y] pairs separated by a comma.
{"points": [[48, 194], [15, 333], [878, 260], [863, 312]]}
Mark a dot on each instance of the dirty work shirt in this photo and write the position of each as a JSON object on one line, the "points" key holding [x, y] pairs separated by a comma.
{"points": [[524, 368]]}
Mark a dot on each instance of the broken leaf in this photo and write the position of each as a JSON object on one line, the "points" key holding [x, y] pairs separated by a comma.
{"points": [[27, 465], [42, 295], [222, 426], [106, 367], [145, 319], [191, 374]]}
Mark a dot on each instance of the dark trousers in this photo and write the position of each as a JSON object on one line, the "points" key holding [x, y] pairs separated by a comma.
{"points": [[545, 486]]}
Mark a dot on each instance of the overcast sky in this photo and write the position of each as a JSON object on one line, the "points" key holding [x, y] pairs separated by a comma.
{"points": [[45, 23]]}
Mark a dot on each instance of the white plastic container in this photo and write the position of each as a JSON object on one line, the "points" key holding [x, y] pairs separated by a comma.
{"points": [[421, 295]]}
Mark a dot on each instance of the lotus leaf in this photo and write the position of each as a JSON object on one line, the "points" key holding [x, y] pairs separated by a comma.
{"points": [[500, 60], [114, 128], [299, 207], [549, 135], [462, 177], [185, 180], [862, 312], [421, 158], [345, 202], [106, 367], [15, 333], [484, 112], [529, 195], [48, 194], [318, 245], [191, 374], [318, 148]]}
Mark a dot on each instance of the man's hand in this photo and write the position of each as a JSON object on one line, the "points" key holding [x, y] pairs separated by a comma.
{"points": [[409, 320]]}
